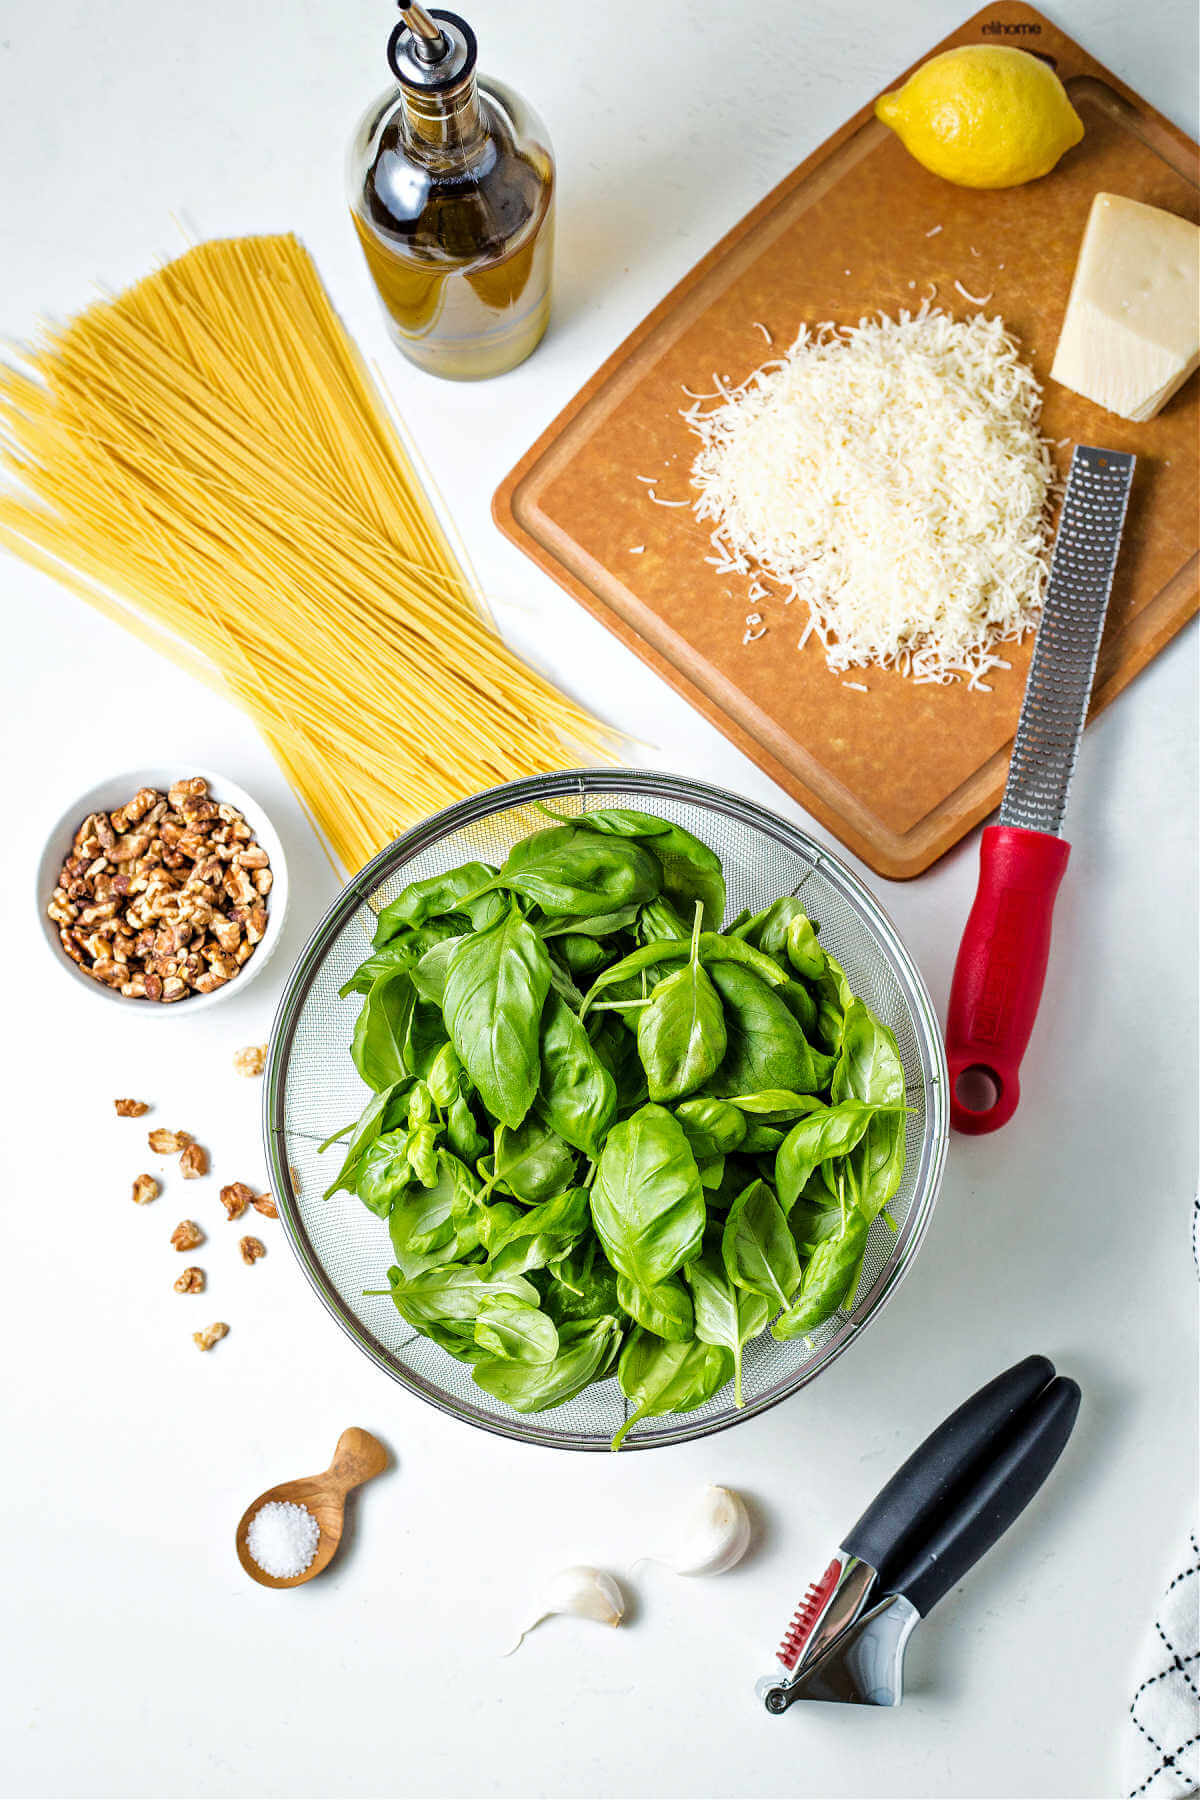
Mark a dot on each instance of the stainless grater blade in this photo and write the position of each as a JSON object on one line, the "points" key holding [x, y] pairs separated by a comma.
{"points": [[1068, 641]]}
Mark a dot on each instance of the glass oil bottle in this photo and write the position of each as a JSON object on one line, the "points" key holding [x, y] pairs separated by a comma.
{"points": [[452, 196]]}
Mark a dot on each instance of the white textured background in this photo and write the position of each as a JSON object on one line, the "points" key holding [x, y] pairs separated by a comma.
{"points": [[138, 1660]]}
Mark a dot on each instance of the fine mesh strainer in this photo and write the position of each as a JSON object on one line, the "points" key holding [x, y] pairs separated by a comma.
{"points": [[312, 1089]]}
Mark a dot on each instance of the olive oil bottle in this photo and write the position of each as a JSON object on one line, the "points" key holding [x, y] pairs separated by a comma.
{"points": [[452, 196]]}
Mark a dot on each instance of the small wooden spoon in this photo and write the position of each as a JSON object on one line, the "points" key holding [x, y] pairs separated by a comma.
{"points": [[357, 1458]]}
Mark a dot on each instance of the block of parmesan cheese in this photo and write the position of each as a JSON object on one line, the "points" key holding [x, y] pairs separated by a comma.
{"points": [[1131, 336]]}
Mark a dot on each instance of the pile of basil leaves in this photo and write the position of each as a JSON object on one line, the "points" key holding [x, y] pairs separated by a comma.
{"points": [[606, 1133]]}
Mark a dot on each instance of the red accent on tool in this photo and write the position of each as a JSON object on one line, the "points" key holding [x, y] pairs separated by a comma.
{"points": [[1001, 968], [807, 1614]]}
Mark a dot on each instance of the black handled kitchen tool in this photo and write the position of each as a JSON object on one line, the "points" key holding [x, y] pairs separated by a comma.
{"points": [[947, 1505]]}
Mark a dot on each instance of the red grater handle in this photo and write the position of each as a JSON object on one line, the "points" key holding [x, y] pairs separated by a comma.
{"points": [[1000, 970]]}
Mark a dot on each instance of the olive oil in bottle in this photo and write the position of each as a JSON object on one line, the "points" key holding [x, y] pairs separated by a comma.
{"points": [[452, 197]]}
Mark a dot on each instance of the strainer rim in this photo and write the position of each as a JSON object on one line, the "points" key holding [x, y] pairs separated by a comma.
{"points": [[646, 783]]}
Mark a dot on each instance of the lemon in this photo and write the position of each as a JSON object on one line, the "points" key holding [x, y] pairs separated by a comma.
{"points": [[983, 116]]}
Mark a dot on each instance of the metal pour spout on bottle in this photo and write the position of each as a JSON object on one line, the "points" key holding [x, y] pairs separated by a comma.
{"points": [[451, 182]]}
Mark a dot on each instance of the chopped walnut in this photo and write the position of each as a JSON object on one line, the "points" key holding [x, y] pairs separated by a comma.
{"points": [[251, 1248], [190, 1282], [193, 1161], [264, 1204], [167, 861], [187, 1235], [212, 1334], [251, 1061], [235, 1198], [166, 1143], [130, 1109], [145, 1189]]}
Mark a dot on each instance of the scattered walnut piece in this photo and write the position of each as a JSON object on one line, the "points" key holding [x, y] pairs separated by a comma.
{"points": [[145, 1189], [193, 1161], [130, 1109], [190, 1282], [235, 1198], [212, 1334], [264, 1204], [166, 1143], [251, 1248], [187, 1235], [251, 1061]]}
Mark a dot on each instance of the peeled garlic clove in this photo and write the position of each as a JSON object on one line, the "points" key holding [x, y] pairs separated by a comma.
{"points": [[588, 1593], [716, 1534]]}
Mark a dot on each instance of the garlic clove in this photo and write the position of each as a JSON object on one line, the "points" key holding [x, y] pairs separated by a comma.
{"points": [[587, 1593], [716, 1534]]}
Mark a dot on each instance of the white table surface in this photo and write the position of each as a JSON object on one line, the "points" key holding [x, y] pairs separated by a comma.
{"points": [[137, 1658]]}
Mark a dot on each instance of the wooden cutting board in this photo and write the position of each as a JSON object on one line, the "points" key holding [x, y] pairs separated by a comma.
{"points": [[901, 772]]}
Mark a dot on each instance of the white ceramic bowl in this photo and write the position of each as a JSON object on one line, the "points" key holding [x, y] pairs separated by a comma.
{"points": [[116, 790]]}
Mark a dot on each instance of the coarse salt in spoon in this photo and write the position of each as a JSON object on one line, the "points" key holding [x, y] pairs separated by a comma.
{"points": [[358, 1457]]}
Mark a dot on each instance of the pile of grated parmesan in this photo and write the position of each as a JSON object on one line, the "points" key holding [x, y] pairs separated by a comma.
{"points": [[891, 476]]}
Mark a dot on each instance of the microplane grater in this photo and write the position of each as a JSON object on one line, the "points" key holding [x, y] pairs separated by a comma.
{"points": [[1005, 947], [1068, 641]]}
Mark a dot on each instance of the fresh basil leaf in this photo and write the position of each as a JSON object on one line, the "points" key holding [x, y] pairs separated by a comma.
{"points": [[568, 871], [869, 1066], [831, 1131], [647, 1202], [666, 1310], [462, 1133], [757, 1248], [713, 950], [429, 971], [831, 1277], [512, 1329], [803, 951], [681, 1034], [541, 1236], [384, 1172], [455, 1294], [383, 1111], [533, 1161], [712, 1127], [586, 1349], [595, 925], [762, 1139], [811, 1222], [496, 986], [381, 1028], [774, 1106], [767, 1048], [869, 1069], [398, 955], [436, 894], [660, 922], [690, 870], [577, 1094], [725, 1315], [585, 1285], [581, 955], [663, 1377], [802, 1007], [445, 1078], [433, 1227]]}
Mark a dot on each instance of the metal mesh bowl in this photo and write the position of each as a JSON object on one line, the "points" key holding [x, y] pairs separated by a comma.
{"points": [[312, 1089]]}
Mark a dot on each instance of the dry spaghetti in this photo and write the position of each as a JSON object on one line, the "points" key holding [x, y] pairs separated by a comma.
{"points": [[205, 459]]}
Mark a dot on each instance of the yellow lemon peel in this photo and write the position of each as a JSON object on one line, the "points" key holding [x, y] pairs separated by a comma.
{"points": [[983, 116]]}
